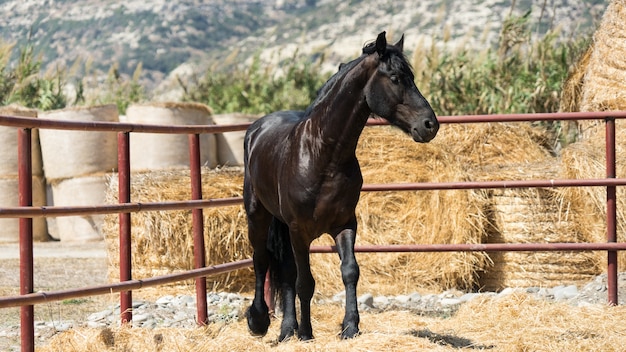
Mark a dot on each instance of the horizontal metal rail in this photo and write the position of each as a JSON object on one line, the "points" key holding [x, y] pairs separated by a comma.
{"points": [[49, 211]]}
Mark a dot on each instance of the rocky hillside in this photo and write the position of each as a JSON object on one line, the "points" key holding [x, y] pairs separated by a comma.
{"points": [[164, 34]]}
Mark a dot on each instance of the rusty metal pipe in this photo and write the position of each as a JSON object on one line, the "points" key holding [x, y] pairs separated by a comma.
{"points": [[25, 185], [123, 167], [199, 253]]}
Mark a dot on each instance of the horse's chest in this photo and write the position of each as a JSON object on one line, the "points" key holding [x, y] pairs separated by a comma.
{"points": [[331, 201]]}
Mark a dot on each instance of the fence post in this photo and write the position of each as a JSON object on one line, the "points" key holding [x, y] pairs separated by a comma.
{"points": [[123, 168], [25, 185], [199, 252], [611, 212]]}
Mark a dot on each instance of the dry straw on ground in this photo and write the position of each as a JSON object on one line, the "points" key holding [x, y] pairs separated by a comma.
{"points": [[510, 323]]}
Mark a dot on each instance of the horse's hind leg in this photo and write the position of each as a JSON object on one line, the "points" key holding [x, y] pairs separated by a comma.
{"points": [[350, 276], [258, 226], [286, 280], [305, 285]]}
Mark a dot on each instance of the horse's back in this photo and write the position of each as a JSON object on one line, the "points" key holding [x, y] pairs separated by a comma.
{"points": [[267, 134]]}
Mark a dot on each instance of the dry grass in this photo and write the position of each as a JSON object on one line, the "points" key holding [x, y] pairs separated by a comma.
{"points": [[515, 322]]}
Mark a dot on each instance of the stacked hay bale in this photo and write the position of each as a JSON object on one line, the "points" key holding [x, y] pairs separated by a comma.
{"points": [[158, 151], [76, 164], [163, 241], [230, 144], [516, 151], [600, 78], [9, 228]]}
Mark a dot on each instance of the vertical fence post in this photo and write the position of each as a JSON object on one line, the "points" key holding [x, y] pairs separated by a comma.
{"points": [[199, 252], [611, 212], [123, 168], [25, 185]]}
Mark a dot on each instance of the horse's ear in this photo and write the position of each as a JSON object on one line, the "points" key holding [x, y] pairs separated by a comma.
{"points": [[400, 43], [381, 43]]}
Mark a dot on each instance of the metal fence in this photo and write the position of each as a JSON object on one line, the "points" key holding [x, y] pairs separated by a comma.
{"points": [[26, 212]]}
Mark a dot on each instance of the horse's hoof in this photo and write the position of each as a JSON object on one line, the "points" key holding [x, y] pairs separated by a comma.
{"points": [[305, 337], [350, 333], [258, 323]]}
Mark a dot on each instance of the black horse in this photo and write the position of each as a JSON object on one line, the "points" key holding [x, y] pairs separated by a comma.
{"points": [[302, 179]]}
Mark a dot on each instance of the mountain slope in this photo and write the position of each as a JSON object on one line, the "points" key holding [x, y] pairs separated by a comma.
{"points": [[163, 35]]}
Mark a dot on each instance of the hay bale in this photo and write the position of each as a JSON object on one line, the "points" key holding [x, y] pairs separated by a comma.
{"points": [[583, 160], [69, 154], [8, 141], [534, 216], [155, 151], [230, 144], [84, 190], [9, 228], [162, 242], [605, 79]]}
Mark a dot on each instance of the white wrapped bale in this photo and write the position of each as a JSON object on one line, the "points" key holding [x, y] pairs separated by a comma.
{"points": [[157, 151], [230, 144], [77, 153]]}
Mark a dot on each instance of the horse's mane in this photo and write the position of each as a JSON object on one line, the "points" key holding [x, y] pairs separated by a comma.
{"points": [[396, 59], [326, 88]]}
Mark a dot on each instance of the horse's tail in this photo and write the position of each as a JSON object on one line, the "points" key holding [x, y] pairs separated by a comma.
{"points": [[281, 258]]}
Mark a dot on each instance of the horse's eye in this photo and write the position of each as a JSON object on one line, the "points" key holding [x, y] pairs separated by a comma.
{"points": [[394, 79]]}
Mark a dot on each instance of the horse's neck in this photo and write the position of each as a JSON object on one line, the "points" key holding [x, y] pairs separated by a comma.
{"points": [[339, 126]]}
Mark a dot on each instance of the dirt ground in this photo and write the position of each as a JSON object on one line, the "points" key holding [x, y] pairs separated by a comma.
{"points": [[57, 267]]}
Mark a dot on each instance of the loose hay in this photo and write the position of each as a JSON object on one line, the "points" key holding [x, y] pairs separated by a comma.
{"points": [[514, 322]]}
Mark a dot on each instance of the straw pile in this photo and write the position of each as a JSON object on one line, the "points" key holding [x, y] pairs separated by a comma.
{"points": [[509, 324], [162, 242]]}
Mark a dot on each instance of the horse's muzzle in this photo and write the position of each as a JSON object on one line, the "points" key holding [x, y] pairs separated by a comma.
{"points": [[425, 129]]}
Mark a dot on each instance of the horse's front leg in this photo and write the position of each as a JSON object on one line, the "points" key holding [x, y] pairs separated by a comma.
{"points": [[345, 240]]}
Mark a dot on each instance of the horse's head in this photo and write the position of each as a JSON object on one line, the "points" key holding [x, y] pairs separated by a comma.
{"points": [[391, 92]]}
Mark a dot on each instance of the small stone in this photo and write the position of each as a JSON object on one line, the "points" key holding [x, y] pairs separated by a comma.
{"points": [[367, 300], [446, 302]]}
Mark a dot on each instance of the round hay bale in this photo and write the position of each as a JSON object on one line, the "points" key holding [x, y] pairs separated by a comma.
{"points": [[86, 190], [534, 216], [156, 151], [9, 197], [162, 241], [230, 144], [77, 153], [8, 140]]}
